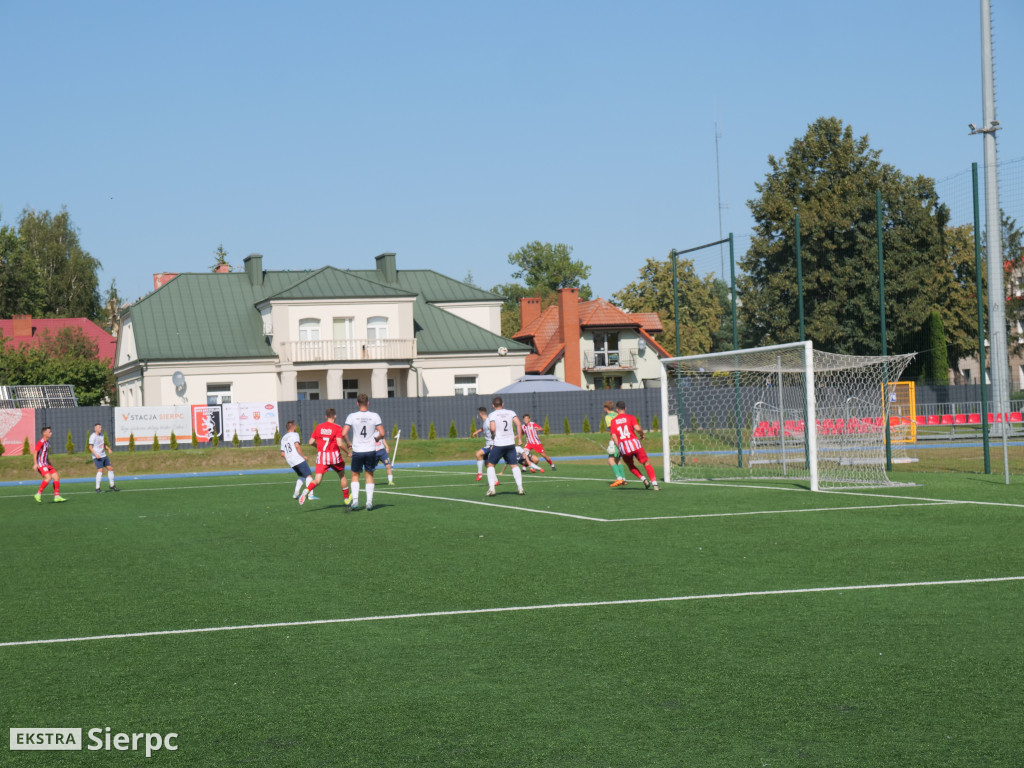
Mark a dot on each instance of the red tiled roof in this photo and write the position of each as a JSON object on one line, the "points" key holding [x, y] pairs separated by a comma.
{"points": [[650, 321], [549, 342], [106, 344]]}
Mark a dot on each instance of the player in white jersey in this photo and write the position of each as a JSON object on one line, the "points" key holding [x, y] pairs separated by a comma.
{"points": [[485, 430], [98, 448], [362, 430], [507, 431], [383, 457], [292, 453]]}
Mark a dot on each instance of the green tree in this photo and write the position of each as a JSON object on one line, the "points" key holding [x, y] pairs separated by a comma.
{"points": [[960, 315], [26, 448], [257, 441], [542, 270], [66, 357], [412, 432], [156, 443], [235, 441], [936, 360], [831, 178], [453, 431], [131, 442], [700, 311], [431, 432], [20, 287], [67, 273], [69, 446], [174, 441], [220, 259], [1013, 281], [586, 424]]}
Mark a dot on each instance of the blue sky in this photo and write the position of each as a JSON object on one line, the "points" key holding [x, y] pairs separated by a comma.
{"points": [[453, 133]]}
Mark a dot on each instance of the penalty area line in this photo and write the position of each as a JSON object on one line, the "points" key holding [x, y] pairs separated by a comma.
{"points": [[518, 609]]}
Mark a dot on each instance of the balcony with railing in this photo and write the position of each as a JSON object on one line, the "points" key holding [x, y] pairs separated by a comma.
{"points": [[609, 360], [347, 350]]}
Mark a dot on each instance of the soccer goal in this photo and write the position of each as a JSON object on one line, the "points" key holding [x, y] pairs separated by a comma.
{"points": [[781, 412]]}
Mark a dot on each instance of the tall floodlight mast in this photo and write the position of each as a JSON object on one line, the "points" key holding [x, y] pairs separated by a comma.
{"points": [[998, 354]]}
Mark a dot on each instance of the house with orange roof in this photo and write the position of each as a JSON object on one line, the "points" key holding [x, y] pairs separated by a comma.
{"points": [[592, 344]]}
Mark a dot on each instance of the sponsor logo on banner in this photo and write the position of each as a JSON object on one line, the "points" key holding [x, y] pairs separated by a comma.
{"points": [[207, 422], [147, 422]]}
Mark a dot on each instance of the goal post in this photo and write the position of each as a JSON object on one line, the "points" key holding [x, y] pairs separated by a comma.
{"points": [[744, 415]]}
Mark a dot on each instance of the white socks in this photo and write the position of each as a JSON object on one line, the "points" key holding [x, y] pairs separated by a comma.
{"points": [[354, 490], [492, 478], [369, 492], [517, 473]]}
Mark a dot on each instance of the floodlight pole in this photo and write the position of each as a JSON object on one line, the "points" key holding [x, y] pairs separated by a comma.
{"points": [[999, 362]]}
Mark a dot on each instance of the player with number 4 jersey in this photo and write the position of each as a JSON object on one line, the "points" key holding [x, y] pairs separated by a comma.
{"points": [[362, 430]]}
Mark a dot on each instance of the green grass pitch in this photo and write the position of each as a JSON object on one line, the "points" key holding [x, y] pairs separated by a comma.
{"points": [[703, 625]]}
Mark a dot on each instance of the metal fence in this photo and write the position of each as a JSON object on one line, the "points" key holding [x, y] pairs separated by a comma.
{"points": [[572, 412]]}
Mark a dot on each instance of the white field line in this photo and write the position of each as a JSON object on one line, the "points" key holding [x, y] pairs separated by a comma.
{"points": [[494, 504], [515, 609], [778, 511]]}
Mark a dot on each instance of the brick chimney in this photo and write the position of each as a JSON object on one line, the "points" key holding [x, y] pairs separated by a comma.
{"points": [[529, 310], [22, 326], [569, 322], [162, 278], [222, 269]]}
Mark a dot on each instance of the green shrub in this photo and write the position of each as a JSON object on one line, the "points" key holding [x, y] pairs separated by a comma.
{"points": [[1, 447], [215, 441], [257, 441], [156, 443], [413, 435], [547, 426], [26, 448], [131, 442], [235, 441], [453, 431], [174, 441], [431, 433], [69, 446], [277, 437], [654, 423], [195, 439], [586, 425], [566, 426]]}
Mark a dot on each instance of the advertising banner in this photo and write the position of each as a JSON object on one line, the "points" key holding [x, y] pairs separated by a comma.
{"points": [[147, 422], [249, 419], [15, 425]]}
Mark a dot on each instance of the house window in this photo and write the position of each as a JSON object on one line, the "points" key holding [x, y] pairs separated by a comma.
{"points": [[350, 388], [307, 390], [606, 349], [377, 328], [609, 382], [217, 394], [309, 329], [392, 387], [465, 385]]}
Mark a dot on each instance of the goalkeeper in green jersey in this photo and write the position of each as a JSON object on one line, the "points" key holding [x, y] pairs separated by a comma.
{"points": [[614, 460]]}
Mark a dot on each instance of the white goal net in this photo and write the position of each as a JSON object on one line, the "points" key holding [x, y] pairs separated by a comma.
{"points": [[744, 415]]}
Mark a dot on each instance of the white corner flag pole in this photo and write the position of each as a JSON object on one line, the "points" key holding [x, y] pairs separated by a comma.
{"points": [[394, 458]]}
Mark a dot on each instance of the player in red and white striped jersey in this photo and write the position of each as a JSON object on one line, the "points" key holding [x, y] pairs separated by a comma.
{"points": [[627, 434], [532, 436], [41, 458], [329, 447]]}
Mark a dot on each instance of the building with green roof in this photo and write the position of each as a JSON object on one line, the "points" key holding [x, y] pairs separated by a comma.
{"points": [[312, 334]]}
